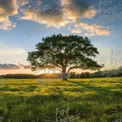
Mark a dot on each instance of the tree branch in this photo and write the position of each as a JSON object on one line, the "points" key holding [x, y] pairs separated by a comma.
{"points": [[72, 68]]}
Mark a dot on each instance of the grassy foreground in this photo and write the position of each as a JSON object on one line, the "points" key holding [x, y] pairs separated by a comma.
{"points": [[36, 100]]}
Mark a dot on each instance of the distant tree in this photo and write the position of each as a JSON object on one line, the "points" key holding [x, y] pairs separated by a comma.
{"points": [[119, 71], [64, 53], [72, 74], [85, 75]]}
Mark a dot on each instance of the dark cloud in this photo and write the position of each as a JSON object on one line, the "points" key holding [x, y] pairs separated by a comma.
{"points": [[7, 8], [77, 9], [58, 12], [9, 66], [49, 13], [14, 66], [27, 67], [23, 2]]}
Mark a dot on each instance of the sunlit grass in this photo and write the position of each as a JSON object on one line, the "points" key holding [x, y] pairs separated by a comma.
{"points": [[31, 100]]}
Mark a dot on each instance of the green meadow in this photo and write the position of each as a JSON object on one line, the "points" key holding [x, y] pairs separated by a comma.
{"points": [[37, 100]]}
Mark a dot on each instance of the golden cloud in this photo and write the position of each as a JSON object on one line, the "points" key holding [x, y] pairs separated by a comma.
{"points": [[50, 16], [7, 8], [58, 14], [52, 13], [76, 30], [90, 30]]}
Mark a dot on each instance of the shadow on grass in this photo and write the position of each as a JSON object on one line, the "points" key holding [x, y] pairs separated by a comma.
{"points": [[90, 87], [102, 94]]}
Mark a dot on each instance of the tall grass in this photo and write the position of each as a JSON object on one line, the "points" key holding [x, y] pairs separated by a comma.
{"points": [[95, 100]]}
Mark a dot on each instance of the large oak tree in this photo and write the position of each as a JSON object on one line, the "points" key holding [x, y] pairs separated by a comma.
{"points": [[64, 53]]}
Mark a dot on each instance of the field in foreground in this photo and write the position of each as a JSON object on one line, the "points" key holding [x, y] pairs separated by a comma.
{"points": [[75, 100]]}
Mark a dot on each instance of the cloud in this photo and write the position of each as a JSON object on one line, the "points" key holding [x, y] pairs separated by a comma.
{"points": [[48, 14], [8, 66], [38, 3], [50, 17], [77, 9], [58, 13], [24, 66], [52, 13], [90, 29], [23, 2], [76, 30], [7, 8], [14, 66], [27, 67]]}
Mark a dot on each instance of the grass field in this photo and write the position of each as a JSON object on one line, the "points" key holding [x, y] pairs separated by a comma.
{"points": [[34, 100]]}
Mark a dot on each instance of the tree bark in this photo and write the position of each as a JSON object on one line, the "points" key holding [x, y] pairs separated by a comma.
{"points": [[64, 74]]}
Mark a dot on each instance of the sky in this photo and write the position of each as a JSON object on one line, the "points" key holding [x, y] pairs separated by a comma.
{"points": [[23, 23]]}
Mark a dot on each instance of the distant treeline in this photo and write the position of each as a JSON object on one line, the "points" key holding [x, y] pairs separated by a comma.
{"points": [[31, 76], [98, 74], [20, 76]]}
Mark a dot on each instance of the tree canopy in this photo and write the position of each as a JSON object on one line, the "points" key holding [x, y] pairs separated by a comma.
{"points": [[64, 53]]}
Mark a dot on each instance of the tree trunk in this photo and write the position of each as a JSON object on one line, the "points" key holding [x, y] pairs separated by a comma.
{"points": [[64, 74]]}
